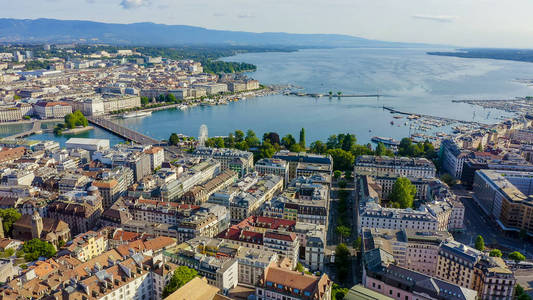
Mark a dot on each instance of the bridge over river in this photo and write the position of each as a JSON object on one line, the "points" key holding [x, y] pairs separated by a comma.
{"points": [[124, 132]]}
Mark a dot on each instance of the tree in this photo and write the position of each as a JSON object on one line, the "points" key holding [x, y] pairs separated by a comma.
{"points": [[230, 141], [348, 142], [332, 142], [448, 179], [170, 98], [358, 150], [380, 149], [342, 160], [271, 137], [517, 256], [267, 150], [338, 292], [36, 248], [343, 232], [173, 139], [9, 216], [251, 139], [342, 261], [287, 141], [302, 138], [495, 253], [357, 243], [403, 193], [299, 267], [144, 100], [296, 148], [239, 136], [181, 276], [348, 175], [318, 147], [520, 294], [337, 174], [479, 243], [406, 147]]}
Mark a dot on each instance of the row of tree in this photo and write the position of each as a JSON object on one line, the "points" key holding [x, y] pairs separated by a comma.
{"points": [[343, 147]]}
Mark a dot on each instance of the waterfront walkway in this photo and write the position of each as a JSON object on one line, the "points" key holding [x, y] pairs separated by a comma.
{"points": [[36, 129], [124, 132]]}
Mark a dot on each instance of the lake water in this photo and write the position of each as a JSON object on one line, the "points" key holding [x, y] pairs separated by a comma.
{"points": [[409, 79]]}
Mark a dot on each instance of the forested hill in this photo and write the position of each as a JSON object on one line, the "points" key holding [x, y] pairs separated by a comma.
{"points": [[524, 55], [65, 31]]}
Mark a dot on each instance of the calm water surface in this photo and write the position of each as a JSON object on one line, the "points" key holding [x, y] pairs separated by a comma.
{"points": [[409, 79]]}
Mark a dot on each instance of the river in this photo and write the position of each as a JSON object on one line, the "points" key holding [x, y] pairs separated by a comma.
{"points": [[409, 79]]}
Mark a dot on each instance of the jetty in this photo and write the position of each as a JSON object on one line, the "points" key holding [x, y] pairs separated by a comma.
{"points": [[317, 95], [122, 131], [395, 111]]}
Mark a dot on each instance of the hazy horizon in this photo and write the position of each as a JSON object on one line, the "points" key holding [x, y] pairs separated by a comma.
{"points": [[463, 23]]}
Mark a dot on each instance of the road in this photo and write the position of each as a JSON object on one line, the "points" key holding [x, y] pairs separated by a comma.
{"points": [[478, 223]]}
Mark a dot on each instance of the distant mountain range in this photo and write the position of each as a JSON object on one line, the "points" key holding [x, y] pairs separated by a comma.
{"points": [[151, 34]]}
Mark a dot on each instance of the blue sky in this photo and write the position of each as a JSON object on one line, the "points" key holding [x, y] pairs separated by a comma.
{"points": [[483, 23]]}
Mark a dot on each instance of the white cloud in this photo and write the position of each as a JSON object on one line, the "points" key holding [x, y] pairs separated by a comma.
{"points": [[442, 19], [129, 4]]}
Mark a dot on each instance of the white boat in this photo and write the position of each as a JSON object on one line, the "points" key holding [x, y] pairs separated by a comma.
{"points": [[183, 107], [136, 114]]}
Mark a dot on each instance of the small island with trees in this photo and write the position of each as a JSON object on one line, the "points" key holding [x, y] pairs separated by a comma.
{"points": [[74, 123]]}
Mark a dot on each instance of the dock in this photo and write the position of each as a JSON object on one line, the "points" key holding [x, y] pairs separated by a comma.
{"points": [[315, 95], [395, 111], [124, 132], [35, 129]]}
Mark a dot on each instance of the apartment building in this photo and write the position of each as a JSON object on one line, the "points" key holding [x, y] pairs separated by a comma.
{"points": [[253, 263], [278, 283], [273, 234], [157, 156], [273, 166], [242, 162], [220, 271], [386, 181], [382, 275], [318, 163], [376, 216], [201, 193], [79, 209], [452, 158], [399, 166], [411, 249], [249, 202], [85, 246], [303, 201], [470, 268], [504, 196], [51, 110], [225, 196], [195, 175]]}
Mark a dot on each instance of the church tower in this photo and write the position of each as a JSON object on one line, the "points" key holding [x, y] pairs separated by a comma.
{"points": [[36, 225]]}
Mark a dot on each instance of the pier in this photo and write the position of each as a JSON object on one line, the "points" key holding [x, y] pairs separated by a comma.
{"points": [[395, 111], [334, 95], [35, 129], [124, 132]]}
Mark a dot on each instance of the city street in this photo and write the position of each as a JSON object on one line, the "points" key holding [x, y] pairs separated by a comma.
{"points": [[478, 223]]}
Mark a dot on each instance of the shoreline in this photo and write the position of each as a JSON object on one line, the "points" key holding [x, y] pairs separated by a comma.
{"points": [[77, 130]]}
